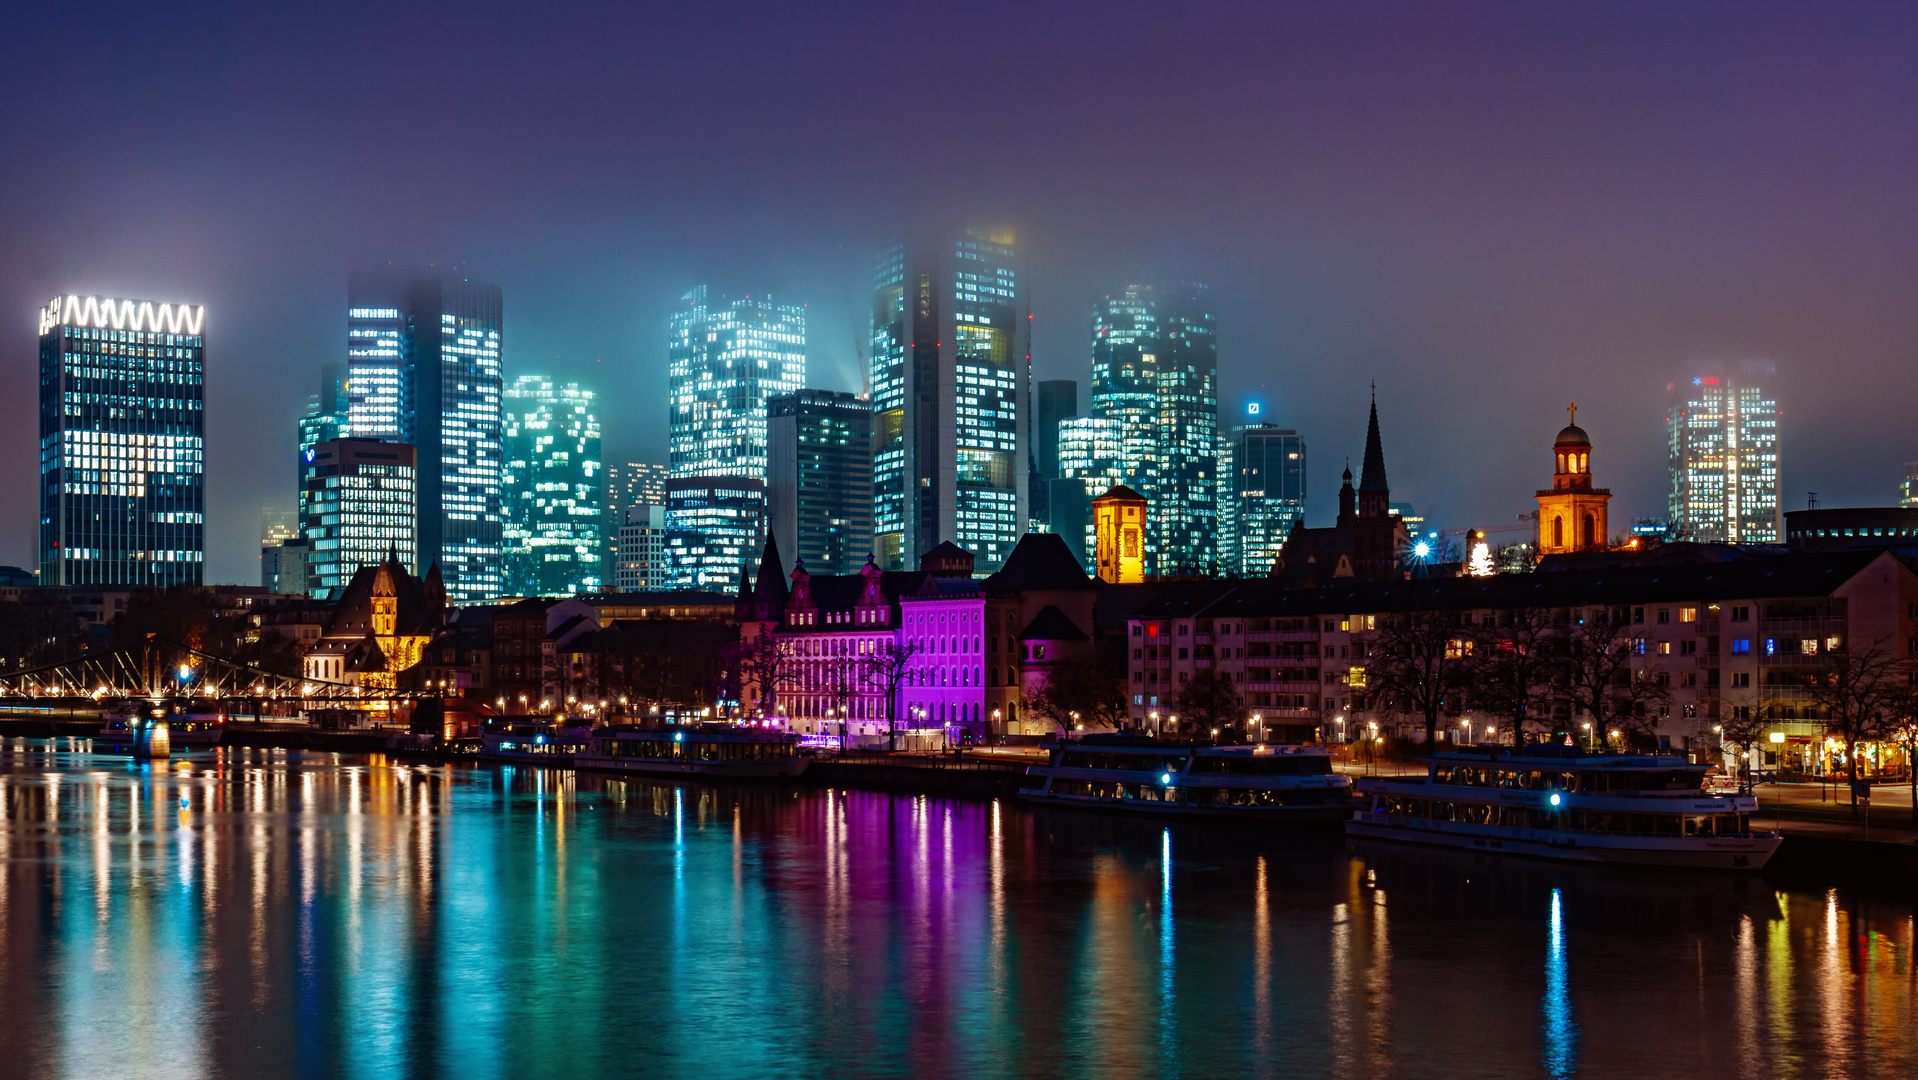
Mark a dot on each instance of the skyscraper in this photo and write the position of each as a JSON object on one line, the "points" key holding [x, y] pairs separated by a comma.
{"points": [[424, 368], [951, 363], [553, 486], [1155, 370], [360, 506], [1092, 461], [326, 419], [1058, 399], [1722, 441], [1908, 487], [629, 485], [642, 549], [714, 526], [724, 359], [122, 453], [819, 480], [1266, 493]]}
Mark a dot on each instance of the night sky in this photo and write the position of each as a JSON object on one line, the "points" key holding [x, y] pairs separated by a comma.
{"points": [[1490, 209]]}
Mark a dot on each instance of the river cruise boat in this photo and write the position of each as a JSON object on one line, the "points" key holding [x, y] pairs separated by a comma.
{"points": [[120, 728], [1557, 802], [533, 742], [707, 751], [1140, 774]]}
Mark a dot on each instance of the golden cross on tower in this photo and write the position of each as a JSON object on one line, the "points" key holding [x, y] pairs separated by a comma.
{"points": [[1573, 410]]}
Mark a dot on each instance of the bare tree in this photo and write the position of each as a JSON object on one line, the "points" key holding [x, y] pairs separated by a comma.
{"points": [[891, 665], [1745, 729], [766, 663], [1417, 661], [1515, 664], [1903, 729], [1078, 692], [1598, 663], [1858, 695], [1209, 702]]}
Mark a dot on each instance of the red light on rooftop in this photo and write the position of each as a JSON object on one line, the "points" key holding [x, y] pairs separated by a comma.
{"points": [[1711, 381]]}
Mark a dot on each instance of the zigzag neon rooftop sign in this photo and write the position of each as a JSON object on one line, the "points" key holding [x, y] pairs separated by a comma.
{"points": [[102, 312]]}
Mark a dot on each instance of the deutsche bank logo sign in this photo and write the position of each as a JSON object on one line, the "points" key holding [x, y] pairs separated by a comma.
{"points": [[1252, 409]]}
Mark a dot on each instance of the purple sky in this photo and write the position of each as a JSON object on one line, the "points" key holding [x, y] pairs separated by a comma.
{"points": [[1491, 209]]}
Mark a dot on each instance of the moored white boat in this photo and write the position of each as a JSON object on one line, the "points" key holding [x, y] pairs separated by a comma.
{"points": [[1558, 803], [1140, 774]]}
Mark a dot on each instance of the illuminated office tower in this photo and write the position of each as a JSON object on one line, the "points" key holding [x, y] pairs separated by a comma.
{"points": [[642, 550], [819, 479], [714, 526], [631, 484], [1908, 487], [424, 369], [951, 363], [122, 494], [360, 505], [1265, 494], [1091, 463], [724, 359], [325, 420], [1155, 370], [553, 486], [1722, 440]]}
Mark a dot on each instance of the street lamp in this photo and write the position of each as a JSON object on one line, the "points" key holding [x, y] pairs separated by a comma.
{"points": [[1588, 735]]}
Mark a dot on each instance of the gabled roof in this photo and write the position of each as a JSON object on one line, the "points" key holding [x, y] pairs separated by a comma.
{"points": [[1039, 561], [841, 592], [1051, 624], [1120, 491], [353, 615]]}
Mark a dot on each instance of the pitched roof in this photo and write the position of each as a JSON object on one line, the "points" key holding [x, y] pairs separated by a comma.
{"points": [[1120, 491], [1040, 561], [1051, 624], [353, 615]]}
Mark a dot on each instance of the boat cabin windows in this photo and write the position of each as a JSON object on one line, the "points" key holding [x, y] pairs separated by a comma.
{"points": [[1262, 765], [665, 747], [1095, 759], [1586, 821], [1590, 781]]}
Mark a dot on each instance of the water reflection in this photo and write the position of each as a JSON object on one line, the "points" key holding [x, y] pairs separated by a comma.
{"points": [[255, 913]]}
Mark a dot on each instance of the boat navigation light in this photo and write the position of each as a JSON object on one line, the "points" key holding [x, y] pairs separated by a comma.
{"points": [[1165, 778], [1554, 798], [679, 736]]}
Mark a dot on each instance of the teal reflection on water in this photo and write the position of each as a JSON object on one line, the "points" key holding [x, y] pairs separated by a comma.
{"points": [[322, 916]]}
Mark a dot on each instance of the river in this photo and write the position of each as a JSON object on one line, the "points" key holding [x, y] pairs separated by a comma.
{"points": [[256, 913]]}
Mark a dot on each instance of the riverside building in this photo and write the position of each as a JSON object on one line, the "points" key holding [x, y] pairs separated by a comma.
{"points": [[122, 448]]}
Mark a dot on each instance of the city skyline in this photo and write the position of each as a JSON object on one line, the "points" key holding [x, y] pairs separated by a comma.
{"points": [[1428, 244]]}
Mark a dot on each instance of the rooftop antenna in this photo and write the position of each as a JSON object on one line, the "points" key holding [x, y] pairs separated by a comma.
{"points": [[1811, 500]]}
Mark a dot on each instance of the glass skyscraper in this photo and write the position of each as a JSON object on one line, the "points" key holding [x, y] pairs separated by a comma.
{"points": [[122, 452], [1092, 461], [360, 506], [424, 358], [325, 420], [714, 527], [724, 359], [553, 484], [1722, 442], [951, 363], [1155, 370], [819, 482], [634, 483], [1265, 494]]}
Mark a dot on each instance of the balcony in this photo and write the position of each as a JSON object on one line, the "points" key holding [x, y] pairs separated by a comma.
{"points": [[1820, 625]]}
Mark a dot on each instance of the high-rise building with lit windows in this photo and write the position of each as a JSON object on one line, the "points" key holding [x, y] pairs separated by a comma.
{"points": [[1265, 494], [1092, 461], [360, 506], [423, 352], [819, 480], [724, 359], [951, 363], [715, 526], [122, 454], [1722, 441], [553, 487], [325, 420], [634, 483], [1155, 370]]}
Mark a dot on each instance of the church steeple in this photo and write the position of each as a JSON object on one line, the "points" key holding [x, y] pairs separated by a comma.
{"points": [[1348, 500], [1374, 494]]}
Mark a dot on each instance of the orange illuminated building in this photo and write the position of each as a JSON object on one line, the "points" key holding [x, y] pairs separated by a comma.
{"points": [[1571, 514]]}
